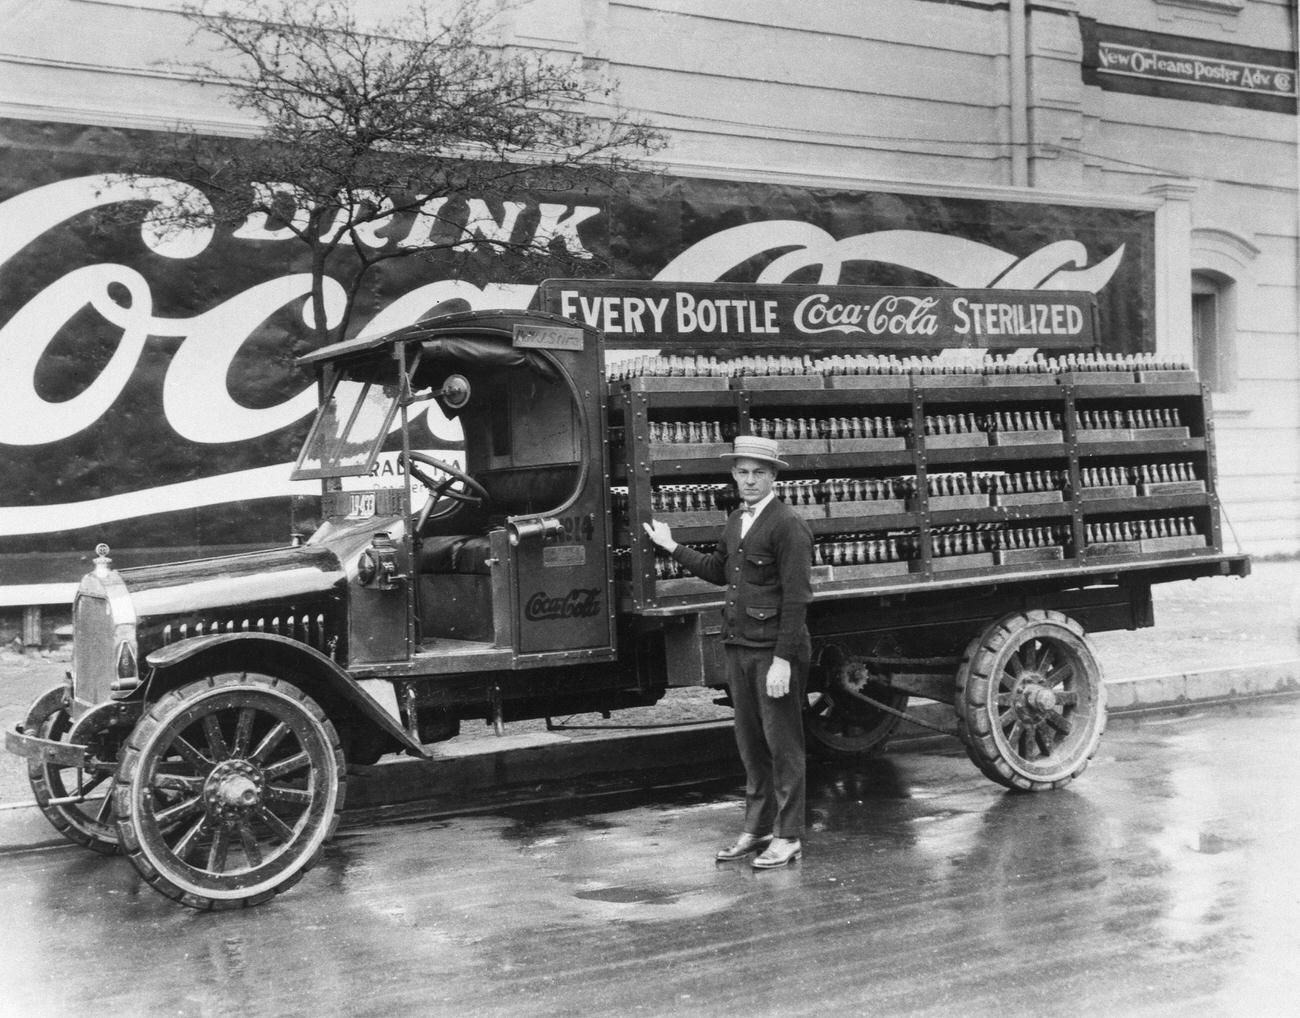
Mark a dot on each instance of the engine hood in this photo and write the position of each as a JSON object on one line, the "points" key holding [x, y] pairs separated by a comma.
{"points": [[309, 572]]}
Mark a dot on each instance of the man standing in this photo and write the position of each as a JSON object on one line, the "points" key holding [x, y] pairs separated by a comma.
{"points": [[764, 559]]}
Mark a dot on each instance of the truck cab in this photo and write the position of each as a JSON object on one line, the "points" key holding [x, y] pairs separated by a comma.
{"points": [[498, 559]]}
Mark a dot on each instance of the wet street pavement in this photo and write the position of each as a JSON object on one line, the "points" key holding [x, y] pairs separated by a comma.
{"points": [[1162, 882]]}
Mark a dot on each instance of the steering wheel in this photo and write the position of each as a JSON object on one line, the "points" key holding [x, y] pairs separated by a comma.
{"points": [[470, 491]]}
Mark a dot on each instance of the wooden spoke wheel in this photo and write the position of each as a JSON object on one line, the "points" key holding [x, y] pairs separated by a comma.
{"points": [[77, 800], [1031, 707], [228, 789], [838, 723]]}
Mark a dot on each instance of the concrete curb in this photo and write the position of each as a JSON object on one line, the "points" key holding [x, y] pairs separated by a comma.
{"points": [[489, 772]]}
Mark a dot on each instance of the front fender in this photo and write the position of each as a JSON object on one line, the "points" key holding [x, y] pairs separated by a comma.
{"points": [[282, 658]]}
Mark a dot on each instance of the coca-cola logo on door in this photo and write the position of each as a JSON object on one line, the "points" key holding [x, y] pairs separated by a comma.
{"points": [[580, 603]]}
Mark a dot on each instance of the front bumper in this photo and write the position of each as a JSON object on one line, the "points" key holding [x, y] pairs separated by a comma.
{"points": [[44, 751]]}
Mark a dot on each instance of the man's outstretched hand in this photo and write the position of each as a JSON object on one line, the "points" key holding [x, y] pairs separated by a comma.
{"points": [[661, 534]]}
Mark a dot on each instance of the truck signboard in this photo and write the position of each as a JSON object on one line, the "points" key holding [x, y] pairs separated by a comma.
{"points": [[636, 314]]}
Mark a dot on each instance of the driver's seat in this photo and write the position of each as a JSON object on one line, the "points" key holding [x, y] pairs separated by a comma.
{"points": [[457, 587], [467, 554]]}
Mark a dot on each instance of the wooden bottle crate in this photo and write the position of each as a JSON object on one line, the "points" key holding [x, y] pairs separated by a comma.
{"points": [[670, 383], [1009, 498], [1004, 438], [941, 503], [889, 443], [866, 507], [964, 440], [868, 381], [1026, 556], [1172, 488], [951, 563], [1102, 492]]}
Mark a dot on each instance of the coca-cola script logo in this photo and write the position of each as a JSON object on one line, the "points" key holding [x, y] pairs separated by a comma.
{"points": [[581, 603], [893, 315], [197, 405]]}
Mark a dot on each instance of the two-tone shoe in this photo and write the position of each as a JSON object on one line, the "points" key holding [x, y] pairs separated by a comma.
{"points": [[745, 845], [781, 852]]}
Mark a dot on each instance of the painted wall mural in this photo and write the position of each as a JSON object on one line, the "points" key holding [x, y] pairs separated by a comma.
{"points": [[148, 392]]}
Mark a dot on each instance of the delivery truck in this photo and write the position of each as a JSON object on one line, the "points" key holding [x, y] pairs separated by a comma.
{"points": [[987, 481]]}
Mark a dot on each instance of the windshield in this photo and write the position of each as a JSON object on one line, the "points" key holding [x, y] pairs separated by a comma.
{"points": [[350, 427]]}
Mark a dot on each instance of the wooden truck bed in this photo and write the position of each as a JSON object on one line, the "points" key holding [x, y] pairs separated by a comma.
{"points": [[939, 482]]}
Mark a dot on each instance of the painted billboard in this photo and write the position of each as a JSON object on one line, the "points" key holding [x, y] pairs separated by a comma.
{"points": [[148, 392]]}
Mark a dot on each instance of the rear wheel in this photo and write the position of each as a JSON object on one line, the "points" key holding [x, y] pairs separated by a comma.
{"points": [[839, 724], [76, 800], [228, 790], [1031, 707]]}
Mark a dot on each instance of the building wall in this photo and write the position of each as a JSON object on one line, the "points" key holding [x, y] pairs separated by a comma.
{"points": [[927, 96], [1241, 169]]}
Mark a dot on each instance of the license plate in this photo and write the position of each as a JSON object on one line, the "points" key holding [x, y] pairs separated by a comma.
{"points": [[361, 505]]}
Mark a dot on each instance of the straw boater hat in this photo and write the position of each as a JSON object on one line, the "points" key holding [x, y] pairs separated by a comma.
{"points": [[751, 447]]}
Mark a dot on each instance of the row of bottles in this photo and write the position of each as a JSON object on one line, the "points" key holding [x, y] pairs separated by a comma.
{"points": [[703, 366], [1132, 419], [952, 424], [973, 540], [1142, 473], [1163, 473], [1115, 532], [665, 567], [794, 428], [949, 484], [678, 432], [1021, 482], [864, 549], [946, 543], [1104, 477], [687, 498], [678, 498], [866, 489], [1007, 422], [800, 492]]}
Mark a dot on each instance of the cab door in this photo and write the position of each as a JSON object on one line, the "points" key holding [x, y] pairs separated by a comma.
{"points": [[564, 589]]}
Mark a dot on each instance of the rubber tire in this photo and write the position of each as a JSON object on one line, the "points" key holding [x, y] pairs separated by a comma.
{"points": [[48, 718], [872, 743], [173, 714], [877, 726], [983, 664]]}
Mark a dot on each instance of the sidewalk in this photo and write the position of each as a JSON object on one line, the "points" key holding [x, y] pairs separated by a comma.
{"points": [[1214, 639]]}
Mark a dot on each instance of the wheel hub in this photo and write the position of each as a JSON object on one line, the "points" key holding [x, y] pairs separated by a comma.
{"points": [[232, 789], [1032, 698]]}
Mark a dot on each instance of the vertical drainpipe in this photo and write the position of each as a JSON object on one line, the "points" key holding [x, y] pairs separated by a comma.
{"points": [[1018, 31]]}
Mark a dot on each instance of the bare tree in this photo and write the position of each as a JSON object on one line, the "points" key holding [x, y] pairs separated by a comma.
{"points": [[370, 131]]}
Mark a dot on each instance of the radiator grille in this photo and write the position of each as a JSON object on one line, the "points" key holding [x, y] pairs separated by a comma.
{"points": [[92, 648]]}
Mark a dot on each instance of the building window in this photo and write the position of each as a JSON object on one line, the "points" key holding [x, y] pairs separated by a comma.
{"points": [[1214, 330]]}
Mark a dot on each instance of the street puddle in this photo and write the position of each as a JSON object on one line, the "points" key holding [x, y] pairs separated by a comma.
{"points": [[631, 895]]}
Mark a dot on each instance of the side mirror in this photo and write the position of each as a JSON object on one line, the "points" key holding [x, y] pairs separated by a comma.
{"points": [[455, 392]]}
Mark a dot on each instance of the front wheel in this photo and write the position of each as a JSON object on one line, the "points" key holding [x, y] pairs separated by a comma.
{"points": [[76, 800], [228, 789], [1031, 707]]}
